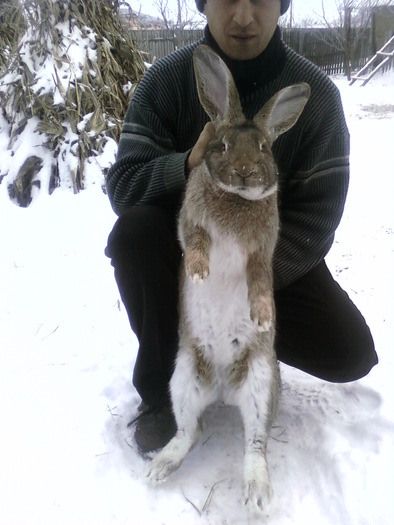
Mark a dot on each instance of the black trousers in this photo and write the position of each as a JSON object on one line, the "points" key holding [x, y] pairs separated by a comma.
{"points": [[319, 329]]}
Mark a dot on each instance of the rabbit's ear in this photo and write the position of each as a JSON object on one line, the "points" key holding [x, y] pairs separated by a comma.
{"points": [[216, 88], [281, 112]]}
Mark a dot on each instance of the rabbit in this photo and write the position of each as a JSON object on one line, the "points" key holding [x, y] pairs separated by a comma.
{"points": [[228, 226]]}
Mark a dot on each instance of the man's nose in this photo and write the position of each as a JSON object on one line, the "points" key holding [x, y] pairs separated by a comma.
{"points": [[243, 14]]}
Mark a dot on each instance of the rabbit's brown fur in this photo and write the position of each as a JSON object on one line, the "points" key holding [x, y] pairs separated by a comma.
{"points": [[228, 228]]}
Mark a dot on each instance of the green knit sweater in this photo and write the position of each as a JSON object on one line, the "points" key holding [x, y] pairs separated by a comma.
{"points": [[165, 118]]}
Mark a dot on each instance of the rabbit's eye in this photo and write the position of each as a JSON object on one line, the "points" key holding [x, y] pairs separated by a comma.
{"points": [[224, 147]]}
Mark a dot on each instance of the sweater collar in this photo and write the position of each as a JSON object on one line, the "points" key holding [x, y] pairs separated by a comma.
{"points": [[256, 73]]}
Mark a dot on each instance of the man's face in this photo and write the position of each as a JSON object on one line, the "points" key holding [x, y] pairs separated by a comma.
{"points": [[242, 28]]}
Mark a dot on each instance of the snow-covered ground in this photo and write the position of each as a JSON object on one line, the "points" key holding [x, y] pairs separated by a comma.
{"points": [[66, 455]]}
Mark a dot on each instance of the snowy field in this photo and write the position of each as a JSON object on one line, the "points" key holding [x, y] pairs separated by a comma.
{"points": [[66, 455]]}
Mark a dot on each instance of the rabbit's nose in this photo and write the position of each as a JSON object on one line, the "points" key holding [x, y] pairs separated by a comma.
{"points": [[241, 173], [246, 172]]}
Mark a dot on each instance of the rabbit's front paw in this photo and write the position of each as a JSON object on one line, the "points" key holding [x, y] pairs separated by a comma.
{"points": [[197, 266], [261, 313]]}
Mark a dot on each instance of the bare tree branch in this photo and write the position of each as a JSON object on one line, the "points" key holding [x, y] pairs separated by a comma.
{"points": [[185, 16]]}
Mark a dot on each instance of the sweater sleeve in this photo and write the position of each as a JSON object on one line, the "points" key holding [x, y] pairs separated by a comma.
{"points": [[161, 126], [313, 196], [147, 168]]}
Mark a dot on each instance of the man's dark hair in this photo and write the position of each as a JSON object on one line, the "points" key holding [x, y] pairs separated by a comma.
{"points": [[284, 5]]}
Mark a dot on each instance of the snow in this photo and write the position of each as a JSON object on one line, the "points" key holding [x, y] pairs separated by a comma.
{"points": [[66, 455]]}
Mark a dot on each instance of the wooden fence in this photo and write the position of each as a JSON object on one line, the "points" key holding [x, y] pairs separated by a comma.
{"points": [[325, 48], [320, 46], [158, 43]]}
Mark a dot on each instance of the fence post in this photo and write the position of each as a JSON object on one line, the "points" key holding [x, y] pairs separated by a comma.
{"points": [[179, 38], [348, 37], [301, 44]]}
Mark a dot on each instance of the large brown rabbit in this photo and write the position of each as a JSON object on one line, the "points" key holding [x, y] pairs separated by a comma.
{"points": [[228, 228]]}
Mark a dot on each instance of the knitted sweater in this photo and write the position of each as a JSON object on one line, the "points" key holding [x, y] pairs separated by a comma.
{"points": [[165, 118]]}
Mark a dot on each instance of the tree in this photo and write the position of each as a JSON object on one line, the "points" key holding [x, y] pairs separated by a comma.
{"points": [[348, 26], [185, 16]]}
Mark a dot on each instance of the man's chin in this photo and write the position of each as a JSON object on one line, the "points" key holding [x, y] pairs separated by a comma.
{"points": [[242, 48]]}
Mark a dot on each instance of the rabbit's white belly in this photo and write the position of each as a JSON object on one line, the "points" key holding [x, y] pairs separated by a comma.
{"points": [[218, 310]]}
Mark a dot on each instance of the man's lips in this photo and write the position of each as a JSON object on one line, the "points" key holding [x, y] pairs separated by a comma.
{"points": [[243, 37]]}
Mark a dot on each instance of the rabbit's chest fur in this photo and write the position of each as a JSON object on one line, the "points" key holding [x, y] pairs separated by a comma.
{"points": [[218, 311], [216, 315]]}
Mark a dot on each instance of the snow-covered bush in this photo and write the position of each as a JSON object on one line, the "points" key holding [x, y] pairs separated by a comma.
{"points": [[62, 94]]}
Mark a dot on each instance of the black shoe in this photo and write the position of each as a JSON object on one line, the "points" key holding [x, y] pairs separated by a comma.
{"points": [[155, 426]]}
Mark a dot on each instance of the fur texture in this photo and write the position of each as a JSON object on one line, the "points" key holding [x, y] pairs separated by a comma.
{"points": [[228, 228]]}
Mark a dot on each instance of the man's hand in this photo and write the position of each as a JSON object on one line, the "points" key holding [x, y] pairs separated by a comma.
{"points": [[197, 153]]}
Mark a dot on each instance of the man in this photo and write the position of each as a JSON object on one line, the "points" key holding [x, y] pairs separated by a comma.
{"points": [[165, 133]]}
